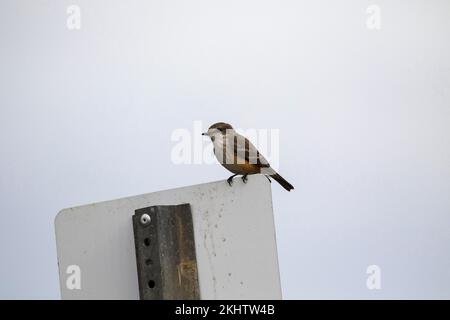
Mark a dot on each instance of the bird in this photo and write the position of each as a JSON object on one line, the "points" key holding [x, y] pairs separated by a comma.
{"points": [[237, 154]]}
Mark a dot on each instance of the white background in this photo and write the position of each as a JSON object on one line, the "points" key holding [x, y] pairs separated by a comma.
{"points": [[87, 115]]}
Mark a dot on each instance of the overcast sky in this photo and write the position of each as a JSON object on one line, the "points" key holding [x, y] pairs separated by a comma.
{"points": [[363, 116]]}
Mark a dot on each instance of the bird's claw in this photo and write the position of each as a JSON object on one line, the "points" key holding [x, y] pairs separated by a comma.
{"points": [[268, 179], [244, 178], [230, 181]]}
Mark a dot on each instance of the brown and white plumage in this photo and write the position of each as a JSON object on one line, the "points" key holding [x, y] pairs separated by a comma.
{"points": [[237, 154]]}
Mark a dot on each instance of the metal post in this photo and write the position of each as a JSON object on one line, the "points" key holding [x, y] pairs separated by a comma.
{"points": [[165, 253]]}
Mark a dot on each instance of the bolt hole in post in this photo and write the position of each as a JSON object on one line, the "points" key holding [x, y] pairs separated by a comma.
{"points": [[151, 284], [147, 242], [149, 262]]}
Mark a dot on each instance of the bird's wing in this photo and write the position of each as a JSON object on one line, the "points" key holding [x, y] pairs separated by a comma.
{"points": [[244, 149]]}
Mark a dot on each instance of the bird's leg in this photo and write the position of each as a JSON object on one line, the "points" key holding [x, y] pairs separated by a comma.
{"points": [[230, 179], [268, 178], [244, 178]]}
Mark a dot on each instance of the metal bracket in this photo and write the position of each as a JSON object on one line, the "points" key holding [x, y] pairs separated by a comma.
{"points": [[165, 253]]}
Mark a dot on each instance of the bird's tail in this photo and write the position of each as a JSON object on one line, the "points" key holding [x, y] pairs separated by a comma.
{"points": [[282, 181]]}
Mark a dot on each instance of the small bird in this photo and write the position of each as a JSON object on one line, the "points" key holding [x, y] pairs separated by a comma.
{"points": [[237, 154]]}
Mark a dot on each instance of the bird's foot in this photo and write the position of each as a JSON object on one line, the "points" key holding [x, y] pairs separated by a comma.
{"points": [[244, 178], [268, 179], [230, 180]]}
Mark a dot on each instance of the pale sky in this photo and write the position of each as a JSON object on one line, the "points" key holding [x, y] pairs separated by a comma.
{"points": [[363, 118]]}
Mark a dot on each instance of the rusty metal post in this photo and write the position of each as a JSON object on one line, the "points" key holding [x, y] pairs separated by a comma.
{"points": [[165, 252]]}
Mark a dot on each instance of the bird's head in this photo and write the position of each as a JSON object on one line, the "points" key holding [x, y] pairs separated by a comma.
{"points": [[217, 129]]}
